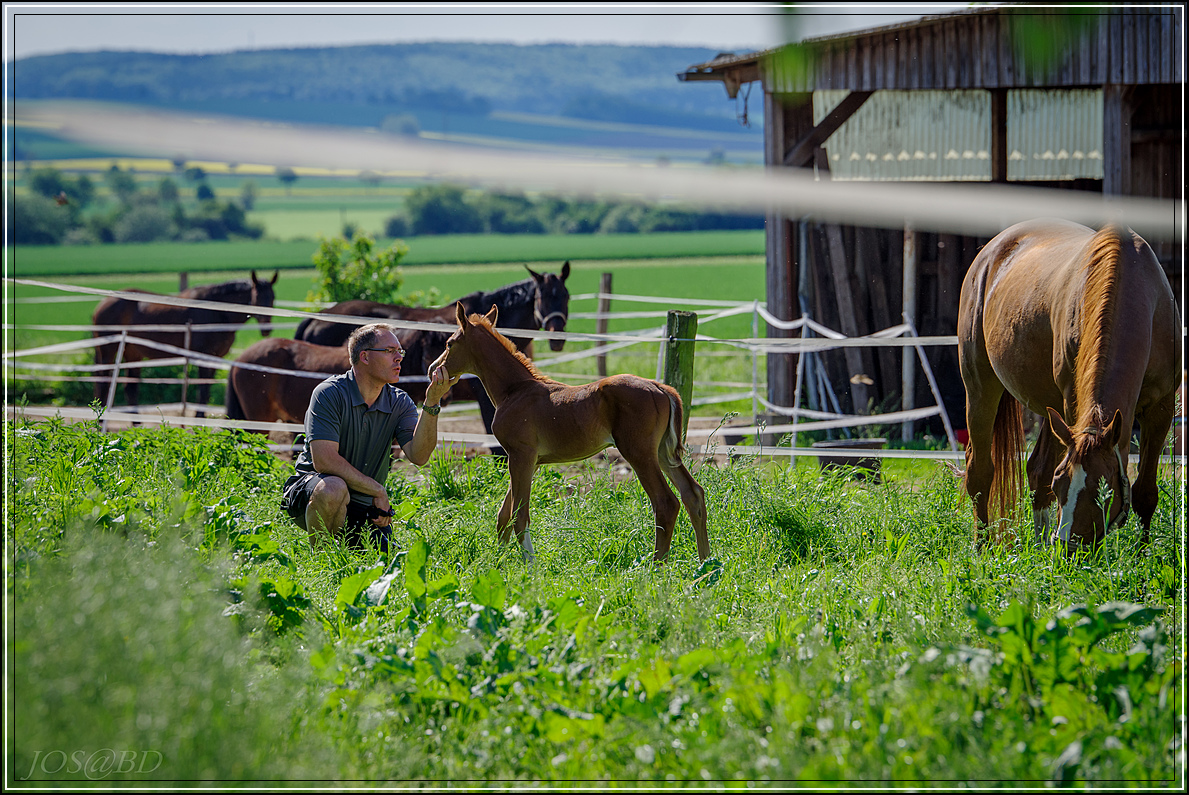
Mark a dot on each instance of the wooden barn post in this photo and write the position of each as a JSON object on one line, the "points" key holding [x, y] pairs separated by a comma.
{"points": [[680, 330], [907, 370]]}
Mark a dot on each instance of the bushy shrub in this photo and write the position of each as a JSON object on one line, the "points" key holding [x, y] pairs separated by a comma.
{"points": [[357, 269], [144, 224], [441, 210], [37, 220]]}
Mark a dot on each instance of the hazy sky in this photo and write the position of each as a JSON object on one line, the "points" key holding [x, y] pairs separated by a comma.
{"points": [[40, 28]]}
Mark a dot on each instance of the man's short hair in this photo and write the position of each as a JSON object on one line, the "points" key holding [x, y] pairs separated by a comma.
{"points": [[365, 337]]}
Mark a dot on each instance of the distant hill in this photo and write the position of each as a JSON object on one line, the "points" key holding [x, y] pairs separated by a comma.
{"points": [[462, 88]]}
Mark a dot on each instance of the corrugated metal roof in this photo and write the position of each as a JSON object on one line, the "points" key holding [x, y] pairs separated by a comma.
{"points": [[946, 135]]}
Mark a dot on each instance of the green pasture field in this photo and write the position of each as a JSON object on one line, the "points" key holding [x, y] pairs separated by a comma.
{"points": [[842, 634], [723, 278], [35, 262]]}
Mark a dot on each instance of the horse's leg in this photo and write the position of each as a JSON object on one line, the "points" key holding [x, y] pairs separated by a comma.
{"points": [[514, 512], [981, 408], [1153, 432], [1042, 464], [694, 498]]}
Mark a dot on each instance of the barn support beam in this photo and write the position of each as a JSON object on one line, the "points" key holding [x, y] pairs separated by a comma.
{"points": [[999, 135], [1116, 139], [801, 154]]}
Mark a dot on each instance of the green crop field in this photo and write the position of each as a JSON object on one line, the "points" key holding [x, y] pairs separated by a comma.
{"points": [[167, 622], [34, 262]]}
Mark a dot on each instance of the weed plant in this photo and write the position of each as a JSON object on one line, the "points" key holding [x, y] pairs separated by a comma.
{"points": [[845, 632]]}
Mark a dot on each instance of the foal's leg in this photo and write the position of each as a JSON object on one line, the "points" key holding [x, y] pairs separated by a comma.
{"points": [[1042, 464], [1153, 432], [694, 499], [514, 512], [665, 507]]}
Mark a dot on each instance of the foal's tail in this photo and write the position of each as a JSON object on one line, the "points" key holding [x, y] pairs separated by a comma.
{"points": [[234, 410], [670, 448], [1007, 443]]}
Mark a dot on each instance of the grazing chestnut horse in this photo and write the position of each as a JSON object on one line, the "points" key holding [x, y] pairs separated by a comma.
{"points": [[272, 397], [1081, 328], [540, 421], [126, 312]]}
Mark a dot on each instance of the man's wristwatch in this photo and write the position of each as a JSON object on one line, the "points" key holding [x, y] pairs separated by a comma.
{"points": [[432, 410]]}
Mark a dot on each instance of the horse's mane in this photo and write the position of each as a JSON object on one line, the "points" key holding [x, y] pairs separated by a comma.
{"points": [[517, 293], [219, 290], [510, 347], [1099, 302]]}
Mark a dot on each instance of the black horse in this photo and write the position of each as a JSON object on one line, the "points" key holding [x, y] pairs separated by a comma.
{"points": [[540, 302], [127, 312]]}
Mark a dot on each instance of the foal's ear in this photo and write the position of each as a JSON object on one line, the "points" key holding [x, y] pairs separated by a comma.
{"points": [[536, 276], [274, 276], [565, 271], [1059, 428], [254, 279], [493, 314], [460, 315]]}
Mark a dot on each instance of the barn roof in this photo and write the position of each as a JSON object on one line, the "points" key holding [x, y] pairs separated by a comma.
{"points": [[977, 48]]}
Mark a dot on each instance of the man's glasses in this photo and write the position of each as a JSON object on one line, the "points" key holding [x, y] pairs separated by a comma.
{"points": [[398, 353]]}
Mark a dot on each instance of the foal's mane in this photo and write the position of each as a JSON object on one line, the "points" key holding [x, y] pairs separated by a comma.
{"points": [[510, 347], [1098, 320]]}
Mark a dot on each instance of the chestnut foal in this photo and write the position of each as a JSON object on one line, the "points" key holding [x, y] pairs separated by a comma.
{"points": [[540, 421]]}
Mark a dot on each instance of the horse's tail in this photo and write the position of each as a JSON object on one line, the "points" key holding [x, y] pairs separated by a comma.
{"points": [[300, 332], [234, 410], [670, 447], [1007, 442]]}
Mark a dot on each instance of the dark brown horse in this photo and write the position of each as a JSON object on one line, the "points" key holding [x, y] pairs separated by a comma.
{"points": [[126, 312], [539, 302], [540, 421], [271, 397], [1081, 328]]}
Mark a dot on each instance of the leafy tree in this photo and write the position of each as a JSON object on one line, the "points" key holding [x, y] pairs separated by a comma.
{"points": [[37, 220], [121, 183], [195, 173], [47, 182], [247, 194], [370, 178], [167, 190], [204, 192], [508, 213], [287, 176], [441, 210], [83, 190], [357, 269], [622, 219], [144, 224], [396, 226]]}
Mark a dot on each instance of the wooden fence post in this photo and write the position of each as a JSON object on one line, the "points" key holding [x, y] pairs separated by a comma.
{"points": [[680, 330], [183, 281], [115, 377], [601, 321], [186, 370], [908, 379]]}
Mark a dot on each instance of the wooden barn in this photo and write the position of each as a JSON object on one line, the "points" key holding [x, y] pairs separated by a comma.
{"points": [[954, 97]]}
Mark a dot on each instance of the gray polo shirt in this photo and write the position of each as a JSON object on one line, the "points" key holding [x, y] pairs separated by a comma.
{"points": [[338, 413]]}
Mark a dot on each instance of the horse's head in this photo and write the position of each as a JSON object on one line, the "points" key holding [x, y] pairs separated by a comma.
{"points": [[1091, 483], [552, 306], [263, 295], [460, 355]]}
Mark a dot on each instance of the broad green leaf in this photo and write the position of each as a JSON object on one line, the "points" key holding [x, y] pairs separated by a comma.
{"points": [[415, 567], [351, 587], [489, 590]]}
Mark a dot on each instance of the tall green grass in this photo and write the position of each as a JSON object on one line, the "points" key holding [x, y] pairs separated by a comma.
{"points": [[844, 632]]}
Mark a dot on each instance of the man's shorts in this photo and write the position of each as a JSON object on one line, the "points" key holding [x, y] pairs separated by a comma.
{"points": [[295, 496]]}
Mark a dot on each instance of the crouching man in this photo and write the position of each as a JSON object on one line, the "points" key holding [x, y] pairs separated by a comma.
{"points": [[350, 426]]}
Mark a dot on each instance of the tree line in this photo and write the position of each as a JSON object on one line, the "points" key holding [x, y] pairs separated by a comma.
{"points": [[444, 209], [60, 209]]}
